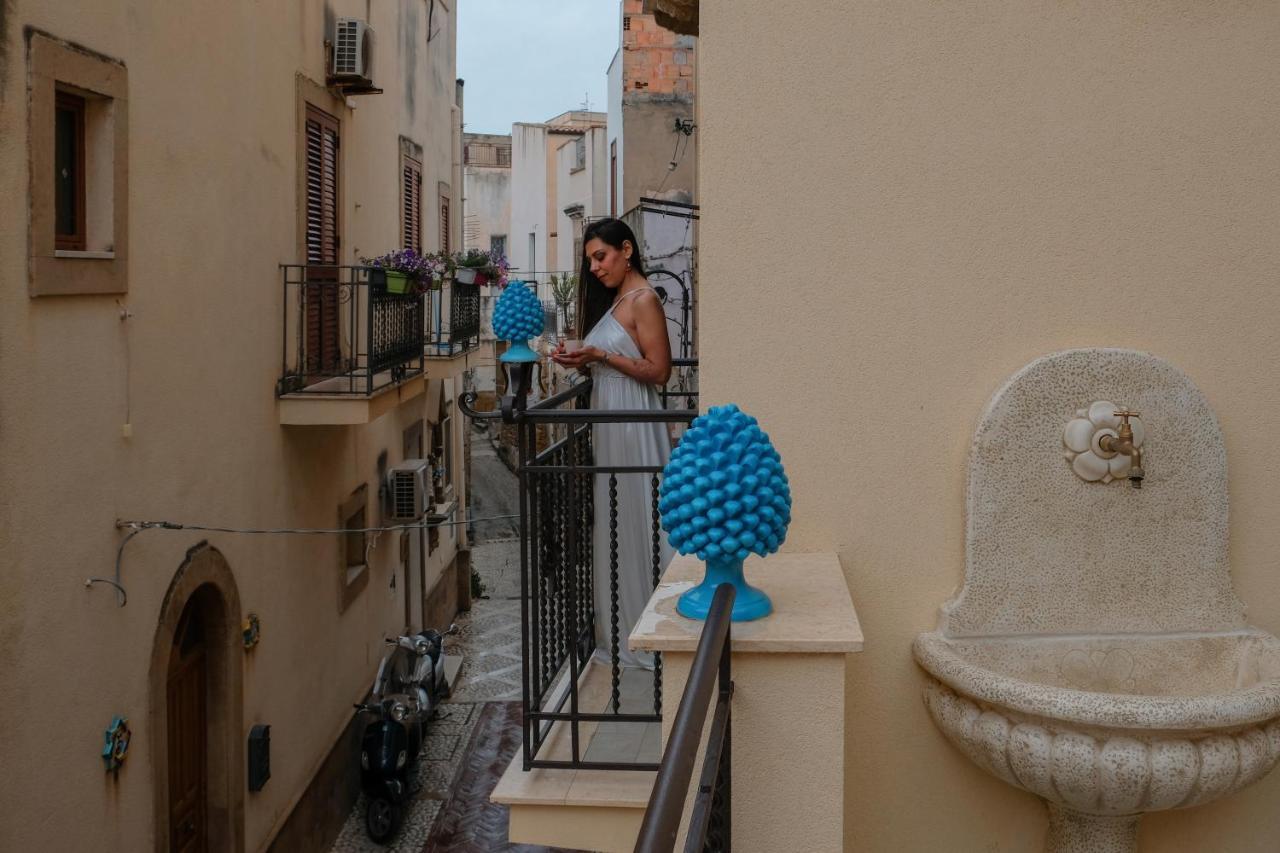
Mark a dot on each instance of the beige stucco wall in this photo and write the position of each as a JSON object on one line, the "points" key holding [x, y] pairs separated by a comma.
{"points": [[922, 198], [213, 210]]}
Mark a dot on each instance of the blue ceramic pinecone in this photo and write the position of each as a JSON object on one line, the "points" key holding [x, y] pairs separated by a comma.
{"points": [[724, 494], [518, 315]]}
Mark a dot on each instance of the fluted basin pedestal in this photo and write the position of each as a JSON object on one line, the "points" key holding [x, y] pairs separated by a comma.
{"points": [[1071, 831]]}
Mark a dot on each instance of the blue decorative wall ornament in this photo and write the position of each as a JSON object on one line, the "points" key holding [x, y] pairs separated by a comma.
{"points": [[725, 496], [116, 743], [251, 630], [518, 317]]}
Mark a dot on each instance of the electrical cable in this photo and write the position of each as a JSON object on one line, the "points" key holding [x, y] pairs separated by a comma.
{"points": [[416, 525], [136, 527]]}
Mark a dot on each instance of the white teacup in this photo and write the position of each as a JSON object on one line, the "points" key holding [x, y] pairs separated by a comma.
{"points": [[572, 344]]}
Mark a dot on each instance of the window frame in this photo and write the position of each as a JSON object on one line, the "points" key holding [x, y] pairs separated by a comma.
{"points": [[353, 577], [54, 66]]}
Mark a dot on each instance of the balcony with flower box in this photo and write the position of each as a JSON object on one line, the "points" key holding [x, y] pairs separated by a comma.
{"points": [[352, 347]]}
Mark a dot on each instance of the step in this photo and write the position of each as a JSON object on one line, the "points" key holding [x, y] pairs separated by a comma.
{"points": [[586, 809]]}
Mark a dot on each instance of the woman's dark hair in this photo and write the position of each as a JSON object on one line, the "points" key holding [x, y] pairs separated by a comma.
{"points": [[594, 298]]}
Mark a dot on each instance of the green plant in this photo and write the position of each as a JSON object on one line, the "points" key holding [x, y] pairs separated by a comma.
{"points": [[564, 291], [473, 259], [477, 585]]}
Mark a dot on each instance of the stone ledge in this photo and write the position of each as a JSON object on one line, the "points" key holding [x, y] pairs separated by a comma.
{"points": [[813, 613]]}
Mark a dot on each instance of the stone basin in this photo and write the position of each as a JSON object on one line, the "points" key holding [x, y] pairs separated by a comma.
{"points": [[1096, 654], [1107, 728]]}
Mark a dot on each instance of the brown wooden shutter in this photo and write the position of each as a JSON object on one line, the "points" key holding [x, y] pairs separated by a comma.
{"points": [[411, 215], [444, 225], [323, 242]]}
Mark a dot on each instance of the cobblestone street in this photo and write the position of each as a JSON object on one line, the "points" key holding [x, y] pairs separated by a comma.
{"points": [[477, 730]]}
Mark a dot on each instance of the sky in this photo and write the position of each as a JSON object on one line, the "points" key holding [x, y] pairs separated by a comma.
{"points": [[530, 60]]}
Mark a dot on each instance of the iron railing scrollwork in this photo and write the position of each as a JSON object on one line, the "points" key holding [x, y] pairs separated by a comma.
{"points": [[454, 325], [342, 334]]}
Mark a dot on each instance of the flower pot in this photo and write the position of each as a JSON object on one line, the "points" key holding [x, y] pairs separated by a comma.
{"points": [[465, 275], [397, 282], [378, 279]]}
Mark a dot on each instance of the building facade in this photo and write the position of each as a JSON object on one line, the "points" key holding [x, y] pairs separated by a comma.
{"points": [[652, 82], [486, 178], [558, 184], [163, 163], [995, 185]]}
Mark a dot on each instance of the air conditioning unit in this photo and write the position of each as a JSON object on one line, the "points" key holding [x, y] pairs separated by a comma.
{"points": [[408, 490], [352, 54]]}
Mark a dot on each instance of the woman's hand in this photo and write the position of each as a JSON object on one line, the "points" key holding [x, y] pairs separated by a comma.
{"points": [[579, 358]]}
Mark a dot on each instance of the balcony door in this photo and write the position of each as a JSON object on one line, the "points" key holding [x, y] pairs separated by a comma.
{"points": [[321, 291]]}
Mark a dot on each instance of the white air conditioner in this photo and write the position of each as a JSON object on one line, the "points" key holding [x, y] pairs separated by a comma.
{"points": [[408, 490], [352, 53]]}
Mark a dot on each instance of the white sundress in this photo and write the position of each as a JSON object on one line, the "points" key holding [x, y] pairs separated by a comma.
{"points": [[625, 444]]}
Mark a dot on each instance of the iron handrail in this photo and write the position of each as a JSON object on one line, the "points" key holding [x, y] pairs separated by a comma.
{"points": [[661, 822]]}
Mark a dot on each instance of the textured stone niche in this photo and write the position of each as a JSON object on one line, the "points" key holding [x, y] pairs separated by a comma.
{"points": [[1096, 654], [1048, 553]]}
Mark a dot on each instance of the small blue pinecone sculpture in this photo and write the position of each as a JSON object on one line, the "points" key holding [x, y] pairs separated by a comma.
{"points": [[518, 315], [724, 494]]}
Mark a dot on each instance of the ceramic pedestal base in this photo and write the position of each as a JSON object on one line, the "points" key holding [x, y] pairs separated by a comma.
{"points": [[1075, 832], [749, 602], [519, 351]]}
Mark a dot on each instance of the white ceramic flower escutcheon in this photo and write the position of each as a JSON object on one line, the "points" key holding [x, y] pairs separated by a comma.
{"points": [[1083, 434]]}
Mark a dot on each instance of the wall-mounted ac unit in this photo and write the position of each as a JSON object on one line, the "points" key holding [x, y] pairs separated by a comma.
{"points": [[352, 54], [408, 490]]}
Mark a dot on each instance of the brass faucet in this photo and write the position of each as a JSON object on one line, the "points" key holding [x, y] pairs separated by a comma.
{"points": [[1122, 442]]}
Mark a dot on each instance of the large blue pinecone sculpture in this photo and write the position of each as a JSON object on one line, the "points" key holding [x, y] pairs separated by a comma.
{"points": [[516, 318], [724, 494]]}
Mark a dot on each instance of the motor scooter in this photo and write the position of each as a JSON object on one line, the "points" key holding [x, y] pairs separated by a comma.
{"points": [[410, 684]]}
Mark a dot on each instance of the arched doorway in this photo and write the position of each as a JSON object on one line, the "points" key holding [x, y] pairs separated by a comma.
{"points": [[197, 710]]}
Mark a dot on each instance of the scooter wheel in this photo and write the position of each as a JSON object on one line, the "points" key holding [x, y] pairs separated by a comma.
{"points": [[382, 819]]}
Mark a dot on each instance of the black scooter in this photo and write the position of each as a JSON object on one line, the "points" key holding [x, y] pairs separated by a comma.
{"points": [[409, 686]]}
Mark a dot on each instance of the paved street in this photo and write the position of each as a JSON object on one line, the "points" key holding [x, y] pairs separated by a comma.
{"points": [[478, 730]]}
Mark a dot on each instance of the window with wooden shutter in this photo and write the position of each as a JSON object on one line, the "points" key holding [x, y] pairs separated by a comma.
{"points": [[444, 225], [411, 205], [323, 355], [322, 187]]}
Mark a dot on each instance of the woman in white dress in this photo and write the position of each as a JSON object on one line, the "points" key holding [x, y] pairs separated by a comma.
{"points": [[628, 354]]}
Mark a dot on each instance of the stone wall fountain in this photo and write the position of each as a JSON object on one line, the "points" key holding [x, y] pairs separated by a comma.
{"points": [[1097, 655]]}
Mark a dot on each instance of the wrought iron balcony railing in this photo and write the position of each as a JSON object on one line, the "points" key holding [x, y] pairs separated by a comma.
{"points": [[453, 319], [343, 334], [560, 567]]}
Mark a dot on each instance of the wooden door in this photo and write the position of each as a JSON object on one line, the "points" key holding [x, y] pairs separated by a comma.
{"points": [[187, 700], [323, 350]]}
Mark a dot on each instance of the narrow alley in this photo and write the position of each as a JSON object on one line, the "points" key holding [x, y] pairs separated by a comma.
{"points": [[477, 731]]}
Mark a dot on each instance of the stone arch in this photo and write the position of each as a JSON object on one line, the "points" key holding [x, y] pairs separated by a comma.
{"points": [[204, 575]]}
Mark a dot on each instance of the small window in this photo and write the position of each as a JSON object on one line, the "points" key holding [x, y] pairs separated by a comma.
{"points": [[626, 23], [77, 181], [68, 172], [498, 245], [355, 571], [580, 153]]}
